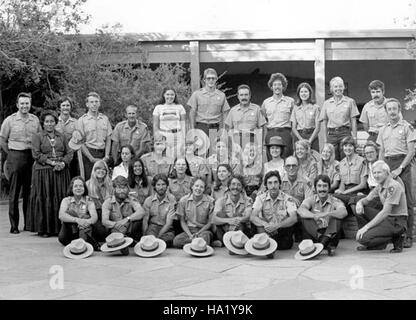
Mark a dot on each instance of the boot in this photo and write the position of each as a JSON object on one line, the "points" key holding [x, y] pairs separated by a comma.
{"points": [[398, 243]]}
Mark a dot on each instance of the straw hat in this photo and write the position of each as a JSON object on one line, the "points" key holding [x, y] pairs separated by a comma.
{"points": [[116, 241], [261, 245], [308, 249], [198, 247], [78, 249], [76, 141], [149, 246], [235, 241]]}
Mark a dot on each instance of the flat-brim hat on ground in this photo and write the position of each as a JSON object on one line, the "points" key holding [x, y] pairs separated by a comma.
{"points": [[276, 141], [308, 249], [76, 141], [199, 248], [261, 245], [200, 140], [149, 246], [235, 241], [116, 241], [78, 249]]}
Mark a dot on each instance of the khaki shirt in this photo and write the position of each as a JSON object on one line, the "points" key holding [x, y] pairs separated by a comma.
{"points": [[209, 106], [278, 112], [95, 130], [351, 172], [275, 211], [198, 166], [245, 118], [221, 192], [299, 190], [374, 115], [307, 117], [226, 208], [331, 170], [394, 139], [66, 128], [179, 189], [391, 192], [314, 205], [196, 213], [308, 169], [158, 210], [18, 132], [153, 167], [339, 114], [78, 210], [114, 211], [136, 136]]}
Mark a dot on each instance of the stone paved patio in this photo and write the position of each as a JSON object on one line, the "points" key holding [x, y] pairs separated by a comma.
{"points": [[26, 261]]}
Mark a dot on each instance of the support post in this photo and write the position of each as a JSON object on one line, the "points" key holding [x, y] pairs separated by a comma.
{"points": [[319, 69], [195, 72]]}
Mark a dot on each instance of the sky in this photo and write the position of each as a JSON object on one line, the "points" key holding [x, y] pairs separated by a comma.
{"points": [[140, 16]]}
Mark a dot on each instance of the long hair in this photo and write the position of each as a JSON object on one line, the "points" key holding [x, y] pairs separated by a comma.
{"points": [[217, 182], [131, 176], [162, 98], [174, 175], [311, 99], [306, 145], [131, 151], [93, 185], [70, 192]]}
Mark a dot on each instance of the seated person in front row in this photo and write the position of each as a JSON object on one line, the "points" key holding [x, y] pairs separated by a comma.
{"points": [[274, 212], [160, 211], [232, 212], [195, 213], [122, 213], [377, 229], [77, 214], [321, 215]]}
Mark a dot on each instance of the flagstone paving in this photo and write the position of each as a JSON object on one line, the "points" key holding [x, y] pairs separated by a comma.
{"points": [[30, 268]]}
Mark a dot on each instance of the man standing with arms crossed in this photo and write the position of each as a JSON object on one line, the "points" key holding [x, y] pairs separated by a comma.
{"points": [[96, 129], [16, 140], [397, 148]]}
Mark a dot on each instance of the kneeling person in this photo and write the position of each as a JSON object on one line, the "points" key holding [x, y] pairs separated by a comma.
{"points": [[121, 213], [321, 215], [194, 211], [274, 212], [388, 225]]}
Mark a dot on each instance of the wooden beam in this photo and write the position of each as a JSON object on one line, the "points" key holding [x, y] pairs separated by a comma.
{"points": [[194, 51], [319, 68]]}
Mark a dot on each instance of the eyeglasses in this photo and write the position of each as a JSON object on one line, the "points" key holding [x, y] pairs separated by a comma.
{"points": [[369, 152], [291, 165], [210, 78]]}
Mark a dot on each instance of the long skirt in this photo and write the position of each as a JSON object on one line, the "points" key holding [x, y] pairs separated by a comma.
{"points": [[48, 189]]}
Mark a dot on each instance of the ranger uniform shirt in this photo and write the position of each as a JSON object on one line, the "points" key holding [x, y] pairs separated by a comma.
{"points": [[18, 132], [275, 211], [278, 112], [96, 130], [157, 211], [351, 172], [196, 213], [394, 138], [209, 106], [374, 115], [245, 118], [135, 136], [339, 114], [307, 117], [299, 190]]}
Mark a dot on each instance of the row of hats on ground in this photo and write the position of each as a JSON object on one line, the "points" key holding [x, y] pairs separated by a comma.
{"points": [[150, 246]]}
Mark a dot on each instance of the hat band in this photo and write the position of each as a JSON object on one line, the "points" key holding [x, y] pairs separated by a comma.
{"points": [[308, 252], [236, 245], [117, 244], [199, 251], [78, 253], [150, 249], [261, 248]]}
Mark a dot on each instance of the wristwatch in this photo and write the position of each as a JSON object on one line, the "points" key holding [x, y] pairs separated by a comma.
{"points": [[401, 167], [128, 218]]}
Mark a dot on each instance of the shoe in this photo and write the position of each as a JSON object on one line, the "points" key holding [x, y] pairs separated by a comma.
{"points": [[270, 256], [408, 243], [45, 235], [14, 231], [217, 244], [133, 244], [331, 251], [125, 251], [364, 248], [398, 243], [231, 253]]}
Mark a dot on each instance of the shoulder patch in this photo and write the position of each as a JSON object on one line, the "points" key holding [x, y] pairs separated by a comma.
{"points": [[390, 190]]}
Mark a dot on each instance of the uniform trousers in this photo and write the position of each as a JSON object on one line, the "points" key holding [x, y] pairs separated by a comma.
{"points": [[283, 237], [335, 136], [71, 231], [181, 239], [306, 134], [154, 229], [88, 165], [211, 130], [330, 233]]}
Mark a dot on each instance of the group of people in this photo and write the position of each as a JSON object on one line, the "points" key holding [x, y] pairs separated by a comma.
{"points": [[258, 176]]}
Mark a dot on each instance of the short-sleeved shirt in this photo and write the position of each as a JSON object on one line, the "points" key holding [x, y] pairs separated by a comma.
{"points": [[374, 115], [194, 212], [394, 138], [157, 211], [314, 205], [308, 169], [339, 114], [245, 118], [272, 166], [221, 192], [198, 166], [179, 189], [154, 167], [226, 208], [278, 112], [18, 132], [306, 117], [331, 170], [352, 171], [208, 105], [78, 210], [391, 192], [135, 136], [299, 190], [118, 211], [140, 193], [67, 127], [169, 116], [253, 174], [275, 211], [96, 130]]}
